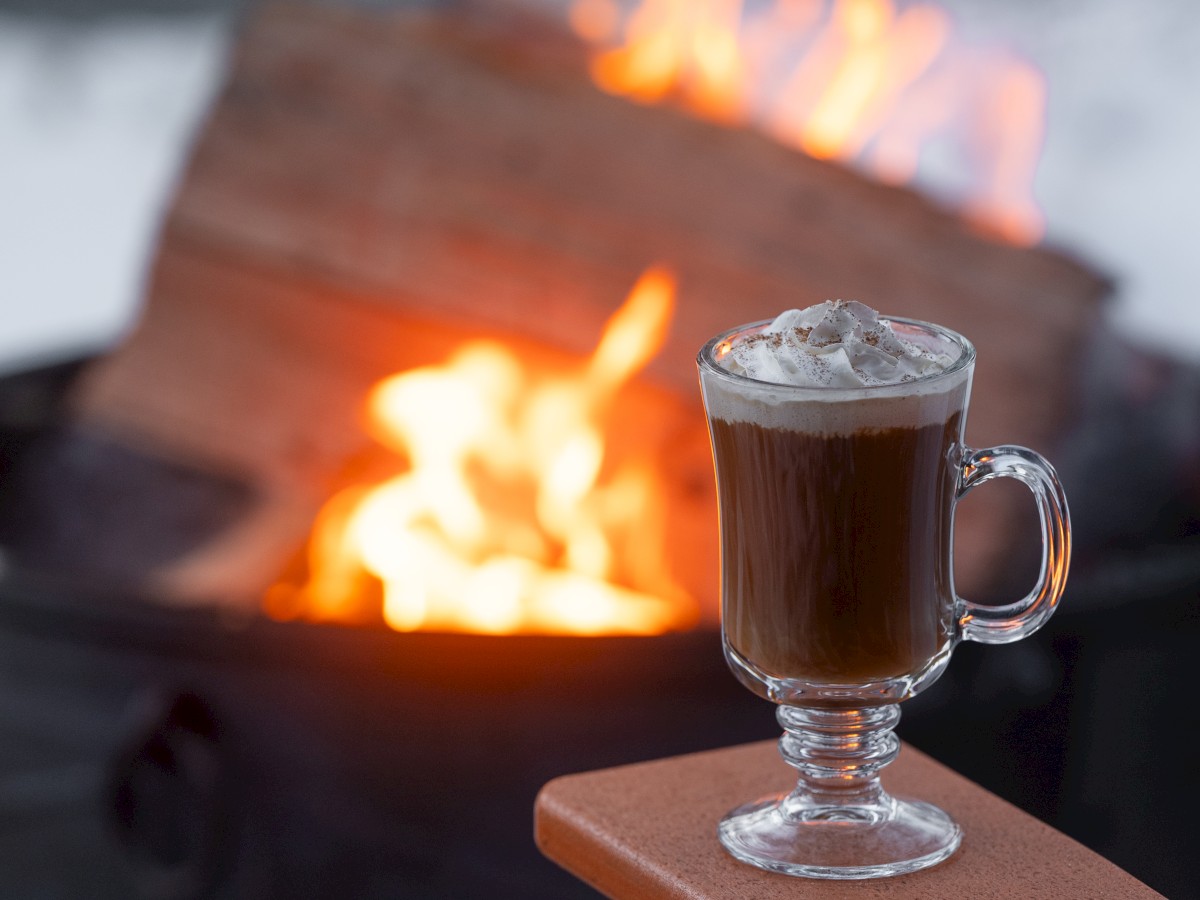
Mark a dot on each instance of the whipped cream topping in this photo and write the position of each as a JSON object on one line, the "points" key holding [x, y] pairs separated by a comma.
{"points": [[838, 344]]}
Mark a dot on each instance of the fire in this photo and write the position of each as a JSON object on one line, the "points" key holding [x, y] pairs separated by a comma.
{"points": [[507, 518], [857, 81]]}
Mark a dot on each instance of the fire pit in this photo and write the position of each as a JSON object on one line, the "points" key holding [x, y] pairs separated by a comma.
{"points": [[310, 760]]}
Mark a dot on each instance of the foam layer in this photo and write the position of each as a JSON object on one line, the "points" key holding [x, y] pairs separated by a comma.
{"points": [[838, 343], [925, 387]]}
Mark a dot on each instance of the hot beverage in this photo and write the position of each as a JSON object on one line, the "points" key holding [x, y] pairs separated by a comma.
{"points": [[838, 443], [836, 504]]}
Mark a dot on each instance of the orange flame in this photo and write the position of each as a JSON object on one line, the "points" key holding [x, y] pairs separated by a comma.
{"points": [[506, 520], [861, 83]]}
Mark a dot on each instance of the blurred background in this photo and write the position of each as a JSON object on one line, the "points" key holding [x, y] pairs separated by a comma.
{"points": [[102, 97], [141, 746]]}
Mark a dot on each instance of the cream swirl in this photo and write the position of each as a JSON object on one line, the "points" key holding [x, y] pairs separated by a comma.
{"points": [[837, 344]]}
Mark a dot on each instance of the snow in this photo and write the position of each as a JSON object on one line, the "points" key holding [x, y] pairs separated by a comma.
{"points": [[1118, 180], [94, 121]]}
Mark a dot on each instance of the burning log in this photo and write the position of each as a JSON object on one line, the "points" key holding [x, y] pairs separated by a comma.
{"points": [[373, 189]]}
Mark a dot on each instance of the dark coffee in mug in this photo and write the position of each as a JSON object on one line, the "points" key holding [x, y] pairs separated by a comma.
{"points": [[836, 548]]}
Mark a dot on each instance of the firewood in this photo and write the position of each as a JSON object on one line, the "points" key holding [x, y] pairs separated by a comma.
{"points": [[373, 187]]}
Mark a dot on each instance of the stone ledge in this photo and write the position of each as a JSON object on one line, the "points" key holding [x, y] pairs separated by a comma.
{"points": [[648, 832]]}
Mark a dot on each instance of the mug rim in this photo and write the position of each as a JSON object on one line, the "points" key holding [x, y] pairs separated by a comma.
{"points": [[706, 359]]}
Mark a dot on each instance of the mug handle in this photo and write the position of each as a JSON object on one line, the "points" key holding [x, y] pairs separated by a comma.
{"points": [[1013, 621]]}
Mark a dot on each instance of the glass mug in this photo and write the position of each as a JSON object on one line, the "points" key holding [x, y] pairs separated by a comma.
{"points": [[837, 592]]}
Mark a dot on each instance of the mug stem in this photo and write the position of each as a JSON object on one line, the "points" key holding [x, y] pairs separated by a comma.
{"points": [[839, 754], [839, 822]]}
